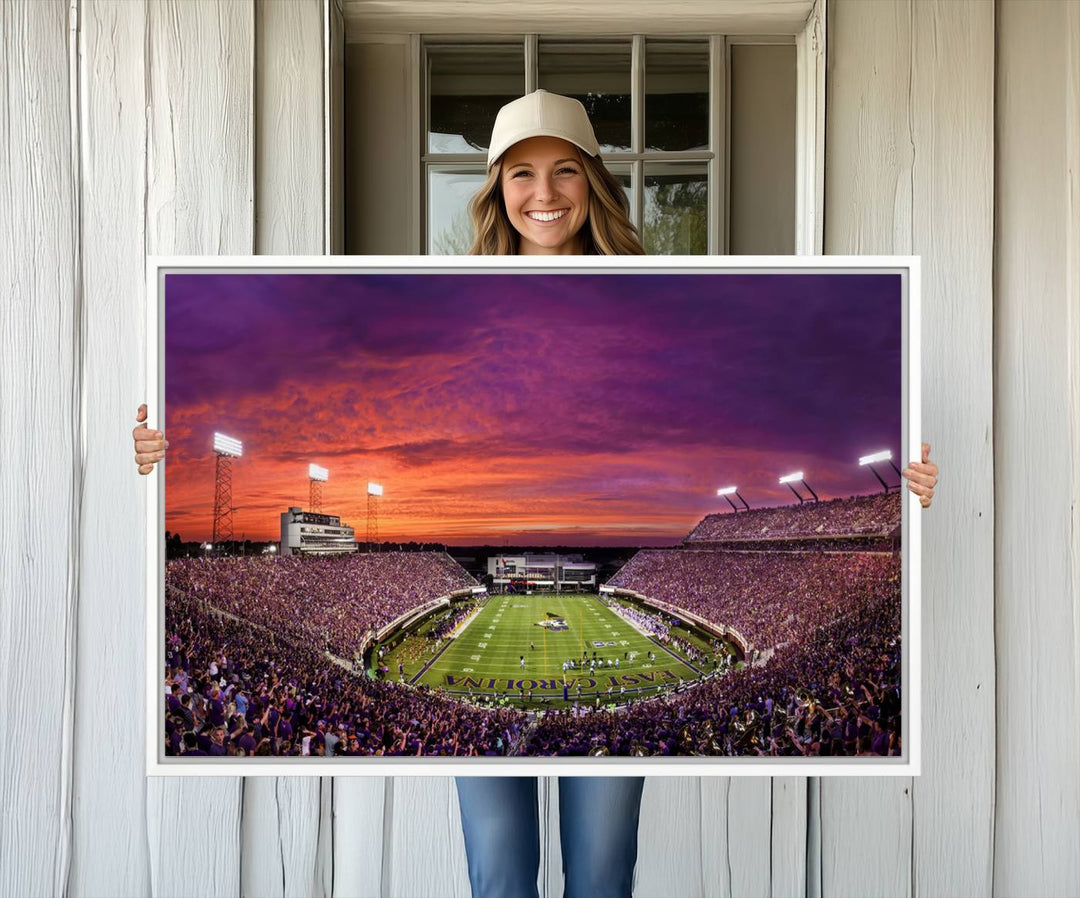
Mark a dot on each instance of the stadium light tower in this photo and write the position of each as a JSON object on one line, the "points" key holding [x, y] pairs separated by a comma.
{"points": [[727, 491], [885, 455], [791, 478], [374, 491], [318, 477], [227, 449]]}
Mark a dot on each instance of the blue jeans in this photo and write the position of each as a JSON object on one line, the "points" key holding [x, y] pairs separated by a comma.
{"points": [[598, 823]]}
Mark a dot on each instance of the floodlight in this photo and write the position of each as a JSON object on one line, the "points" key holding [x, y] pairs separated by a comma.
{"points": [[374, 489], [884, 455], [227, 445], [317, 473], [727, 491], [798, 475]]}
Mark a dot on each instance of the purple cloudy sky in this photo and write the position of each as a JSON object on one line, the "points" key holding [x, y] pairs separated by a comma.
{"points": [[545, 409]]}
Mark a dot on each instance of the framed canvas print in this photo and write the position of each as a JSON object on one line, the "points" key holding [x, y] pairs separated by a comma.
{"points": [[501, 515]]}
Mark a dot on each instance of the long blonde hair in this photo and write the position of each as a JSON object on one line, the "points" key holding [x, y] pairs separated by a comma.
{"points": [[607, 232]]}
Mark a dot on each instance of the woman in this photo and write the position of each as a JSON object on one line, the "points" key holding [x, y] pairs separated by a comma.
{"points": [[548, 193]]}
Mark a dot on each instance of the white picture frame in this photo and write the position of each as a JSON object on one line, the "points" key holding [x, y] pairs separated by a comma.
{"points": [[908, 764]]}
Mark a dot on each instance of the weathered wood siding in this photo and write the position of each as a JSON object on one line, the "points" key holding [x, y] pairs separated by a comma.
{"points": [[953, 132], [909, 169], [109, 816], [41, 446], [200, 198], [1036, 839]]}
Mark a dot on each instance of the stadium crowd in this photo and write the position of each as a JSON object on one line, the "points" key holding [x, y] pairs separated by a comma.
{"points": [[770, 598], [877, 514], [650, 623], [235, 689], [330, 602], [837, 695], [453, 620], [247, 671]]}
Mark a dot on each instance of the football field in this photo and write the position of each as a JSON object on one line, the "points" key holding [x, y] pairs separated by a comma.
{"points": [[546, 630]]}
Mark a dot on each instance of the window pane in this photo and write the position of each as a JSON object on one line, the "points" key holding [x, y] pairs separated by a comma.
{"points": [[676, 95], [449, 191], [623, 175], [597, 74], [676, 208], [467, 84]]}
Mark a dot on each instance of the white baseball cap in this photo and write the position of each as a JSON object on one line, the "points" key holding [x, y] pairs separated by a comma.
{"points": [[541, 114]]}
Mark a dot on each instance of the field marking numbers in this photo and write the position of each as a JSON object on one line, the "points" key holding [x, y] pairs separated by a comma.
{"points": [[482, 645], [474, 657]]}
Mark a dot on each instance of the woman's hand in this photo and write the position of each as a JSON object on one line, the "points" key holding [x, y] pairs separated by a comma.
{"points": [[150, 445], [922, 477]]}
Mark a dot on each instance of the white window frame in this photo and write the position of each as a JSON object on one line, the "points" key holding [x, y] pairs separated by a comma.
{"points": [[809, 40]]}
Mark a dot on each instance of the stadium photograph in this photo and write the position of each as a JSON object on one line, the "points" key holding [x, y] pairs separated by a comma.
{"points": [[538, 515]]}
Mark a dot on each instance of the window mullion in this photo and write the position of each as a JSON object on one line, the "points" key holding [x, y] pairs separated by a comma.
{"points": [[420, 233], [718, 144], [532, 63], [725, 145], [637, 129]]}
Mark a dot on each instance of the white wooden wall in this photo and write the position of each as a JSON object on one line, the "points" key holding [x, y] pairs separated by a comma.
{"points": [[1036, 838], [909, 146], [200, 127]]}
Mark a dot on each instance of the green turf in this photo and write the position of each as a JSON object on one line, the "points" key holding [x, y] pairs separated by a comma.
{"points": [[486, 655]]}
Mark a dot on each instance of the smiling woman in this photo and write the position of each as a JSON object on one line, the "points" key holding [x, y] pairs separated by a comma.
{"points": [[546, 195], [547, 190]]}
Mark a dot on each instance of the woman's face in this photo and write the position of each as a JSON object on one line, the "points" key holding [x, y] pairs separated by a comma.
{"points": [[546, 195]]}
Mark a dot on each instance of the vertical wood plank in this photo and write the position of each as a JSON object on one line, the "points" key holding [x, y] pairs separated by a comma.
{"points": [[916, 92], [110, 854], [199, 200], [360, 808], [289, 127], [282, 815], [952, 127], [200, 186], [324, 857], [40, 436], [789, 813], [424, 849], [749, 837], [675, 816], [869, 157], [1037, 821], [736, 821], [280, 837], [868, 151]]}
